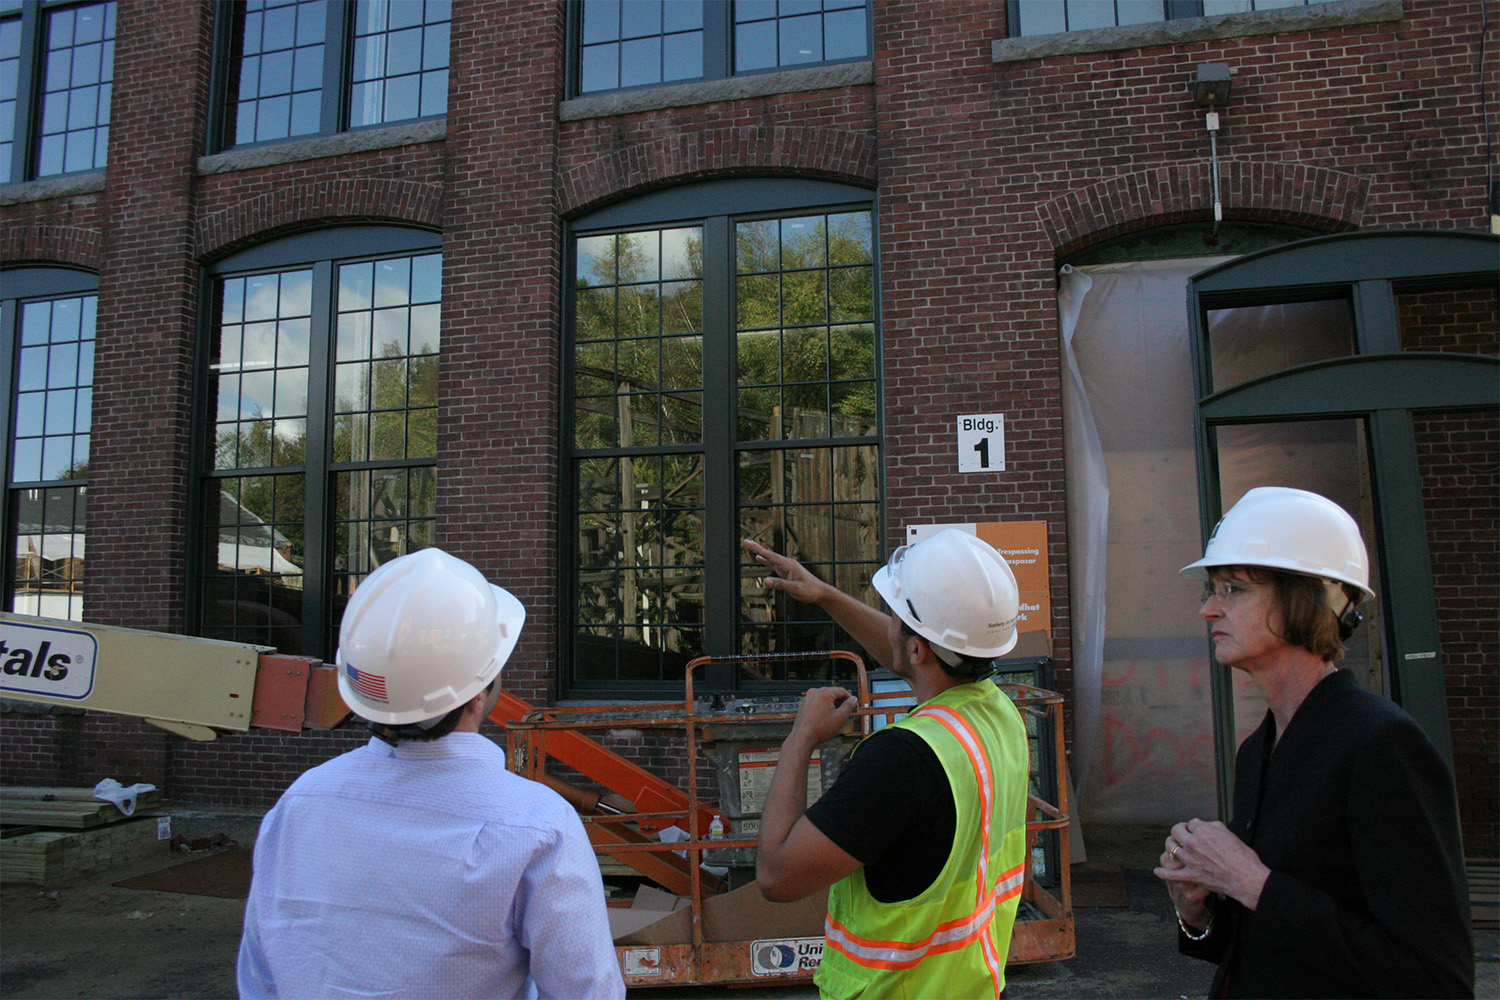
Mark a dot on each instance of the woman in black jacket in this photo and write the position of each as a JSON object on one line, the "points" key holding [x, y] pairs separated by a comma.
{"points": [[1341, 873]]}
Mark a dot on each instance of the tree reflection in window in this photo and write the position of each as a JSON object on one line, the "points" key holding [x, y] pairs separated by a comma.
{"points": [[366, 455], [792, 422], [49, 454]]}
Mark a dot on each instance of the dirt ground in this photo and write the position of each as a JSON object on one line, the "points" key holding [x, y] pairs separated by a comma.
{"points": [[96, 940]]}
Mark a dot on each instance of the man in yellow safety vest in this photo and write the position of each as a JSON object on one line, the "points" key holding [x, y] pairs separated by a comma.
{"points": [[923, 835]]}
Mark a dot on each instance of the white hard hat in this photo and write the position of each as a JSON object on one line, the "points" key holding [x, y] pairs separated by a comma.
{"points": [[1289, 530], [954, 591], [421, 636]]}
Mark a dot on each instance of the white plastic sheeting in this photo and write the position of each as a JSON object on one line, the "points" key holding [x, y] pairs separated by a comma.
{"points": [[1143, 721]]}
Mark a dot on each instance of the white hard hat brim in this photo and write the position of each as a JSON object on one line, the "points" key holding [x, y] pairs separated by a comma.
{"points": [[1199, 570]]}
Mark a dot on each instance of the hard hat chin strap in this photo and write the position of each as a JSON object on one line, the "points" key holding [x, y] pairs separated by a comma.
{"points": [[1349, 621], [1350, 618], [412, 730], [947, 655], [381, 731]]}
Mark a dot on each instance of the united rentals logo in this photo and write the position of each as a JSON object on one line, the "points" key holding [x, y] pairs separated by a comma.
{"points": [[785, 956], [46, 660]]}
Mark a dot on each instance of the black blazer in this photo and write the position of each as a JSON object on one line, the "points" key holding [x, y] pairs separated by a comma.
{"points": [[1355, 813]]}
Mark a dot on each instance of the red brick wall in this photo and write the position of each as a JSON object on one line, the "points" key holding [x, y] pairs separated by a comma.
{"points": [[498, 428], [72, 748], [1460, 459], [140, 458], [986, 176]]}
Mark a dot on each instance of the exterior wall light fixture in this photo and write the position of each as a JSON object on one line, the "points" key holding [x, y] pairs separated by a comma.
{"points": [[1211, 87]]}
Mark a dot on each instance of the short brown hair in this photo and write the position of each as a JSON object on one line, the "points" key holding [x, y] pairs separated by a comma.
{"points": [[1301, 610], [970, 668]]}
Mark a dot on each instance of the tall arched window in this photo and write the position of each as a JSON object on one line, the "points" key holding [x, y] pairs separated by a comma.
{"points": [[320, 376], [723, 385]]}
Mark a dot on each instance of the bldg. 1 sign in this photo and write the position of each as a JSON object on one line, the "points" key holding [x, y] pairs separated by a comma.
{"points": [[981, 443]]}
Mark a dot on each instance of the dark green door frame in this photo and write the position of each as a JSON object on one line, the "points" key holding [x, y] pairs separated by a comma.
{"points": [[1381, 385]]}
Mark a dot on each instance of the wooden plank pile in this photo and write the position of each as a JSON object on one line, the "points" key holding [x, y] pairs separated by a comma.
{"points": [[52, 836]]}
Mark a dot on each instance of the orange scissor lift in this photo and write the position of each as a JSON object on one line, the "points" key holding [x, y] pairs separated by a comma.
{"points": [[624, 820]]}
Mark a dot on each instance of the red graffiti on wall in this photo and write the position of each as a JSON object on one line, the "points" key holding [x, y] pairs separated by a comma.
{"points": [[1162, 744]]}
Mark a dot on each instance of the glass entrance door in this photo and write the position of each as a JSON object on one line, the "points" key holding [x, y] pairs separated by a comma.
{"points": [[1363, 367]]}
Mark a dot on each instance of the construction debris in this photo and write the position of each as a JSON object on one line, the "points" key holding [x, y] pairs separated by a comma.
{"points": [[54, 836], [66, 808]]}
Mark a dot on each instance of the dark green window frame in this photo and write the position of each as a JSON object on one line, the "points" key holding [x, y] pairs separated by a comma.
{"points": [[46, 351], [56, 82], [622, 44], [326, 464], [736, 448], [1377, 383], [291, 69]]}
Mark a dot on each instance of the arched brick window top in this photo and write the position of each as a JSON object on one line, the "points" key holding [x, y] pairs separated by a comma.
{"points": [[639, 166], [1286, 193], [305, 205]]}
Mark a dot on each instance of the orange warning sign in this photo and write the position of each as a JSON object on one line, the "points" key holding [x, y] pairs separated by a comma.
{"points": [[1024, 546]]}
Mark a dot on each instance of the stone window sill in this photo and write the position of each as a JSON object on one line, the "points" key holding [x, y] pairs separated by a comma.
{"points": [[1315, 17], [317, 147], [682, 95], [52, 187]]}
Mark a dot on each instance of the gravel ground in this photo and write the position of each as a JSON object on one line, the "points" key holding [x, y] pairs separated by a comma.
{"points": [[97, 940]]}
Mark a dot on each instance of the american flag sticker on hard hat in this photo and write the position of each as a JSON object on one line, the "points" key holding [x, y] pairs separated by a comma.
{"points": [[368, 684]]}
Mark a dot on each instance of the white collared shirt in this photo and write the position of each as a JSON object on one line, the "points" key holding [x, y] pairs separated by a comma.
{"points": [[425, 870]]}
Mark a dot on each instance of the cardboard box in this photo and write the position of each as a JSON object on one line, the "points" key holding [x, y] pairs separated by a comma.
{"points": [[659, 918]]}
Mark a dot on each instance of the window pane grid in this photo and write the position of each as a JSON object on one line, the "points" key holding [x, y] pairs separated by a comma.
{"points": [[805, 372], [805, 327], [638, 363], [254, 593], [633, 43], [10, 84], [400, 62], [48, 551], [279, 89], [389, 58], [376, 441], [386, 360], [378, 514], [260, 372], [802, 318], [640, 606], [54, 390], [1045, 17], [768, 35], [76, 88]]}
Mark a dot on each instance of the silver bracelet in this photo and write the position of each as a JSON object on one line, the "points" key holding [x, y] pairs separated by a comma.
{"points": [[1196, 937]]}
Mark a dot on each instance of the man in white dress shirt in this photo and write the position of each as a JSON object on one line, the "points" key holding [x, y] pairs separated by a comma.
{"points": [[417, 865]]}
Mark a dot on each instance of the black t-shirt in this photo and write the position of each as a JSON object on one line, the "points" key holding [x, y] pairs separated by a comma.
{"points": [[892, 810]]}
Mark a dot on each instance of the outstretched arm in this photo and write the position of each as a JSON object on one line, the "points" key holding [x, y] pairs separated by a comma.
{"points": [[867, 625]]}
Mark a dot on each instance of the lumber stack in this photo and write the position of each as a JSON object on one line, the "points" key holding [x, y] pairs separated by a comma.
{"points": [[66, 808], [53, 836]]}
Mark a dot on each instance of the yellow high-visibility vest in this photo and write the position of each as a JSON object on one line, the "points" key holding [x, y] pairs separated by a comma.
{"points": [[952, 939]]}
